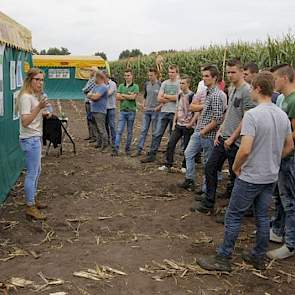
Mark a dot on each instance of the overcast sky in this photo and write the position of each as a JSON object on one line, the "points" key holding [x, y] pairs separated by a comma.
{"points": [[87, 26]]}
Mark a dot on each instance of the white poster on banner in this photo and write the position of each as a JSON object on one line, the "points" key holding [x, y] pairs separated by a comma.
{"points": [[59, 74], [15, 112], [2, 48], [12, 75], [19, 73]]}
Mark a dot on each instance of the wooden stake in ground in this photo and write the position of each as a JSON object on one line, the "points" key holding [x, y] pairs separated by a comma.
{"points": [[223, 63]]}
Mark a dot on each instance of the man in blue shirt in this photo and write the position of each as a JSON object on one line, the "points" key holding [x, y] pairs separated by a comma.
{"points": [[87, 88], [98, 105], [111, 109]]}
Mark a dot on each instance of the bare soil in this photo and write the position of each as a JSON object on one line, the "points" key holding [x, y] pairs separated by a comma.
{"points": [[125, 215]]}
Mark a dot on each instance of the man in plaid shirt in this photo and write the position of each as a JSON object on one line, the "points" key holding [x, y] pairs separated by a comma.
{"points": [[228, 138], [207, 126], [87, 88]]}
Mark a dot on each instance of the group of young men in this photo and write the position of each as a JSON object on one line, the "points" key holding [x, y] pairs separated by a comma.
{"points": [[253, 128]]}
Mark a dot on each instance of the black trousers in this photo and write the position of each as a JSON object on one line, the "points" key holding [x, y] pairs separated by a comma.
{"points": [[178, 133], [218, 156]]}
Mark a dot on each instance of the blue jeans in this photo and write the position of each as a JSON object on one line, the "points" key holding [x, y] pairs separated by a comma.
{"points": [[32, 150], [125, 118], [164, 120], [244, 195], [149, 117], [279, 219], [195, 146], [111, 125], [284, 222]]}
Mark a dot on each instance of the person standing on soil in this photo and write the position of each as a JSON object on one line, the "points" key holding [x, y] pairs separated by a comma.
{"points": [[266, 138], [111, 109], [183, 124], [207, 126], [167, 98], [151, 108], [88, 87], [31, 104], [126, 94], [283, 226], [227, 139], [98, 106]]}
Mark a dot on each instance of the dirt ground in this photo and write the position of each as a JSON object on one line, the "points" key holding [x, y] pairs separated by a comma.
{"points": [[118, 213]]}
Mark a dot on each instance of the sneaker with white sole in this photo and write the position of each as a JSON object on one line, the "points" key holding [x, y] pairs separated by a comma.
{"points": [[163, 168], [280, 253], [183, 170], [275, 238]]}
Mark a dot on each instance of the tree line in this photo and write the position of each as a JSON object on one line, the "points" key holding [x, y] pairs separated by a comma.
{"points": [[127, 53]]}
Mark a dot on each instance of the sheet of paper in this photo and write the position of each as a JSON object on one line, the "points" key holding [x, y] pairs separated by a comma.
{"points": [[12, 75], [19, 73], [15, 112]]}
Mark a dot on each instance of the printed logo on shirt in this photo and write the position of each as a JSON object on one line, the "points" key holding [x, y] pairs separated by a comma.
{"points": [[170, 89]]}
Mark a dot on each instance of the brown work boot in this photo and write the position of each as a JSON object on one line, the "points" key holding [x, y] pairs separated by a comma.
{"points": [[33, 212], [214, 262], [136, 153], [40, 205]]}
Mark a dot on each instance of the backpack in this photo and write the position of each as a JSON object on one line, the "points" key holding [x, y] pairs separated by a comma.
{"points": [[190, 97]]}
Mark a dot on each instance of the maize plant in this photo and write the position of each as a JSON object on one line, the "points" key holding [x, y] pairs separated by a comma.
{"points": [[265, 54]]}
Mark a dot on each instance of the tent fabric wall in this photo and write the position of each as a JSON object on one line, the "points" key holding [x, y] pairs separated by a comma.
{"points": [[63, 88], [11, 156]]}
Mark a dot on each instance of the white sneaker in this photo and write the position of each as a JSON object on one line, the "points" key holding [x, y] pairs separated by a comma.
{"points": [[183, 170], [163, 168], [274, 238], [280, 253]]}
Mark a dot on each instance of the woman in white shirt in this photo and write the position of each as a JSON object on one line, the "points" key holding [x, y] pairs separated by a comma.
{"points": [[31, 104]]}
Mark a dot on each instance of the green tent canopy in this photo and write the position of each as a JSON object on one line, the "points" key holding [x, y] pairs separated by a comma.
{"points": [[15, 57], [66, 75]]}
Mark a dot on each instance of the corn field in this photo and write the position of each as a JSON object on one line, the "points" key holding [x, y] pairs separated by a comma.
{"points": [[265, 54]]}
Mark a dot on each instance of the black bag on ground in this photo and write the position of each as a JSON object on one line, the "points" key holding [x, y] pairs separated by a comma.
{"points": [[52, 130]]}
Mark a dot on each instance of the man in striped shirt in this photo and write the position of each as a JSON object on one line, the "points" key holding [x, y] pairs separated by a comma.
{"points": [[87, 88], [207, 126]]}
